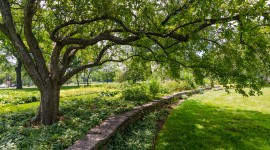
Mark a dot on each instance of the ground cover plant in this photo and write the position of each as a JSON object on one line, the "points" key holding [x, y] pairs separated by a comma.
{"points": [[216, 120], [139, 136], [28, 95], [80, 109]]}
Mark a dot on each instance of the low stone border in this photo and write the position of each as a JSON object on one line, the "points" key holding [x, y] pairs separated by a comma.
{"points": [[98, 137]]}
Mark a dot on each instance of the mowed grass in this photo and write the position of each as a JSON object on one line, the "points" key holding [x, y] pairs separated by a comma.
{"points": [[217, 120]]}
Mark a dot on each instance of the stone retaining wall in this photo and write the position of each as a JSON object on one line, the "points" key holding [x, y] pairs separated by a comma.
{"points": [[99, 136]]}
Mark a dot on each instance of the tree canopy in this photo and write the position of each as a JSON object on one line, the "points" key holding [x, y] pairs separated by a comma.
{"points": [[223, 39]]}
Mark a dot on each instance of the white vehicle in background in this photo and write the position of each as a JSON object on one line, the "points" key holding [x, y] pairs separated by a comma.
{"points": [[3, 86]]}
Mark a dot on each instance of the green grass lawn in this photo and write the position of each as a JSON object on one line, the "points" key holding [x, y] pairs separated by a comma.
{"points": [[217, 120]]}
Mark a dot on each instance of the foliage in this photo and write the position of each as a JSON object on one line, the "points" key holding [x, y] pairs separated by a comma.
{"points": [[214, 39], [106, 73], [172, 86], [81, 108], [218, 120], [79, 112], [225, 40], [10, 96], [154, 87], [139, 135], [18, 96], [136, 70], [137, 93]]}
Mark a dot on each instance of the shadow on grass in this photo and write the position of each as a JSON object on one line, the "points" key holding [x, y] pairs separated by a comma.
{"points": [[198, 126]]}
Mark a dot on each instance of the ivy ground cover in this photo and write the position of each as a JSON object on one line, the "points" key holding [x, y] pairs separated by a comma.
{"points": [[81, 108]]}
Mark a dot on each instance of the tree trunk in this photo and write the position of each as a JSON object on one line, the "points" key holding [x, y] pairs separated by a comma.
{"points": [[49, 106], [133, 81], [18, 70], [88, 77], [77, 79], [87, 81]]}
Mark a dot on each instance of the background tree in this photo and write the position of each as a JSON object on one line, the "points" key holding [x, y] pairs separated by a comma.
{"points": [[136, 70], [107, 72], [87, 74], [176, 33], [10, 59]]}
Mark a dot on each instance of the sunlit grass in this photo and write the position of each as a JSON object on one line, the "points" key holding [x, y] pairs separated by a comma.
{"points": [[217, 120], [28, 95], [236, 101]]}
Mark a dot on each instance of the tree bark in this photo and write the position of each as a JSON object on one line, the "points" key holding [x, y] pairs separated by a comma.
{"points": [[88, 76], [18, 70], [87, 81], [49, 106], [77, 79]]}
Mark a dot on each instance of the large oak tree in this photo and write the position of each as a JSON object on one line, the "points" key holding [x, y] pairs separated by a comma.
{"points": [[226, 40]]}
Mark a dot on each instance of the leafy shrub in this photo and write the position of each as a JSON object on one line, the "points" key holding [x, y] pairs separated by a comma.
{"points": [[108, 93], [171, 86], [154, 87], [135, 93]]}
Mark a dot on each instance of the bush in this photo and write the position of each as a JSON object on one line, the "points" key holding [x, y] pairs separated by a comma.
{"points": [[135, 93], [27, 99], [171, 86], [154, 87]]}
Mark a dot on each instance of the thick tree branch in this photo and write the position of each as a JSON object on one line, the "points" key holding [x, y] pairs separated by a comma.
{"points": [[102, 52], [75, 71], [159, 44], [121, 23], [68, 57], [18, 42], [5, 31], [145, 47], [81, 68], [83, 22], [72, 22], [184, 25], [101, 37], [54, 65], [209, 22], [32, 41]]}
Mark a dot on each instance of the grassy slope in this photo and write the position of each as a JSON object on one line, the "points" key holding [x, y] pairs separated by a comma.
{"points": [[216, 120]]}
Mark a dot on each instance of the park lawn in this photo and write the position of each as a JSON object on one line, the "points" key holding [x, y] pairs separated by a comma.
{"points": [[80, 109], [217, 120]]}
